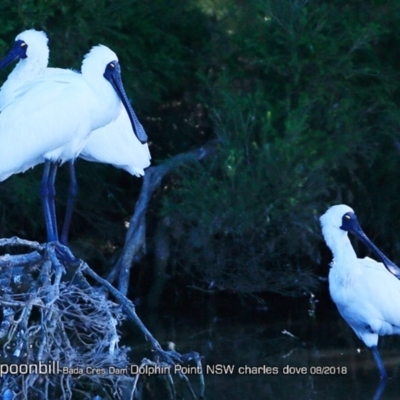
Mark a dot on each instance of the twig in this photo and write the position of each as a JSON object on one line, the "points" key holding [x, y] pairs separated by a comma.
{"points": [[126, 304], [136, 235], [68, 322]]}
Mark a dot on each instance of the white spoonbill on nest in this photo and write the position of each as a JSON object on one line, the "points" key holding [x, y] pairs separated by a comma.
{"points": [[366, 292], [51, 118], [113, 144]]}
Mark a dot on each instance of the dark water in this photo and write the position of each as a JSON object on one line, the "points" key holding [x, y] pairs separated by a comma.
{"points": [[302, 358]]}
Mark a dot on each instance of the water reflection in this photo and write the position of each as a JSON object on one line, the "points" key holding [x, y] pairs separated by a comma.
{"points": [[257, 358]]}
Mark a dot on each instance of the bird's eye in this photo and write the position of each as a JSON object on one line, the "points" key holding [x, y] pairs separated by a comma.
{"points": [[111, 65], [347, 216], [23, 44]]}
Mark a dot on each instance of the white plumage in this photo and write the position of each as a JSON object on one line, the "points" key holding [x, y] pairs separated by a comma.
{"points": [[50, 118], [117, 145], [366, 294], [114, 144], [82, 111], [32, 63]]}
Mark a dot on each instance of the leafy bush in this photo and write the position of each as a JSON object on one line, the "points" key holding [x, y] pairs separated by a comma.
{"points": [[303, 103]]}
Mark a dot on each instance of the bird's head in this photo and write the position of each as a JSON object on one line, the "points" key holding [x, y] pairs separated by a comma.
{"points": [[336, 215], [339, 220], [102, 61], [332, 224], [97, 60], [30, 45]]}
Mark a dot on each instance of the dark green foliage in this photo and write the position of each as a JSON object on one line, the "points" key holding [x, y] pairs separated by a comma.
{"points": [[303, 96], [304, 101], [241, 210]]}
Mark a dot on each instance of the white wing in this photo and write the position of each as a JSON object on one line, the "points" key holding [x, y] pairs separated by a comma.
{"points": [[116, 144]]}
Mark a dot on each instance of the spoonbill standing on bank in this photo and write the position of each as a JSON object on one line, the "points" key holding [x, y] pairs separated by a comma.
{"points": [[366, 292], [51, 118], [113, 144]]}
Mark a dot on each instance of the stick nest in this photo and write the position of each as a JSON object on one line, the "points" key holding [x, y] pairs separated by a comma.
{"points": [[52, 317]]}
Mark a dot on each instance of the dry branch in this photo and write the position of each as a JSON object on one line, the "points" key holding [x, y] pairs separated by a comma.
{"points": [[136, 236]]}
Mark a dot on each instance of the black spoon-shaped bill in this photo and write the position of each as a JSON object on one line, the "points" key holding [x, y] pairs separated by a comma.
{"points": [[350, 224], [113, 75]]}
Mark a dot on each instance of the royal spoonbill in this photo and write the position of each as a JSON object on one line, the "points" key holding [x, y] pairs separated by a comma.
{"points": [[25, 71], [51, 118], [113, 144], [366, 292]]}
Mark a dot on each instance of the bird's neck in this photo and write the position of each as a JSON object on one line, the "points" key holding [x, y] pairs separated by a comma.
{"points": [[25, 71], [108, 104], [345, 262], [29, 68]]}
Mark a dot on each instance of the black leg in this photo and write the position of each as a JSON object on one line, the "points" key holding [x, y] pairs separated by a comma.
{"points": [[52, 197], [379, 362], [72, 192], [47, 193]]}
